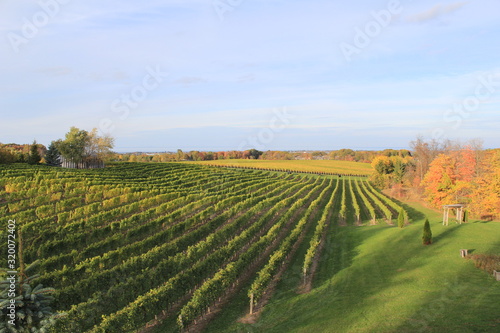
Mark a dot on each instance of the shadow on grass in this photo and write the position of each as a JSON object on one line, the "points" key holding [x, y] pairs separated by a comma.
{"points": [[353, 279], [413, 214], [341, 247], [484, 221], [444, 234], [469, 303]]}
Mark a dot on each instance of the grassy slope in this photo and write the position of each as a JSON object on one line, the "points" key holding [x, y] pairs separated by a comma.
{"points": [[344, 167], [381, 279]]}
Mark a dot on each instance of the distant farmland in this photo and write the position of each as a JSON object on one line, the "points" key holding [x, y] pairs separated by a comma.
{"points": [[330, 166]]}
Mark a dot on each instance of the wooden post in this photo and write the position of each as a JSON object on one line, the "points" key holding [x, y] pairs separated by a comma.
{"points": [[463, 253], [251, 303], [444, 215], [496, 274]]}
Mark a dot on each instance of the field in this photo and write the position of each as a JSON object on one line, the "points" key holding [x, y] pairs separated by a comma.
{"points": [[382, 279], [180, 245], [328, 166]]}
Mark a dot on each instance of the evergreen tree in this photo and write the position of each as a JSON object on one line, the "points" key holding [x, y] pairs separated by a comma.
{"points": [[31, 311], [53, 157], [427, 237], [34, 156], [24, 309], [401, 218]]}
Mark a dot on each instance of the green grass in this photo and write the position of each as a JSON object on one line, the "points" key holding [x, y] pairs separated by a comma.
{"points": [[343, 167], [382, 279]]}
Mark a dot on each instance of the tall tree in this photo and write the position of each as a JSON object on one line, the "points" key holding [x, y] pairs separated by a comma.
{"points": [[425, 152], [485, 197], [401, 218], [74, 146], [427, 235], [254, 153], [34, 156], [440, 180], [53, 157], [80, 145], [99, 146], [180, 155]]}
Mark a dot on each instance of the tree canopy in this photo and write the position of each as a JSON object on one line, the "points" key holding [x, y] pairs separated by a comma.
{"points": [[80, 145]]}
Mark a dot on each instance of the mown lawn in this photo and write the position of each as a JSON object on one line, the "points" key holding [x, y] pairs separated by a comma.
{"points": [[343, 167], [382, 279]]}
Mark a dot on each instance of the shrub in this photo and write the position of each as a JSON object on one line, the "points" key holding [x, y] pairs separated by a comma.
{"points": [[427, 237], [401, 218], [486, 262]]}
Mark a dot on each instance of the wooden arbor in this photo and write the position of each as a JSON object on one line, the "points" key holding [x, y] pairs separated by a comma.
{"points": [[459, 213]]}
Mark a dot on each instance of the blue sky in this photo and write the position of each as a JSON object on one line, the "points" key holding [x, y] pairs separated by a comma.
{"points": [[231, 74]]}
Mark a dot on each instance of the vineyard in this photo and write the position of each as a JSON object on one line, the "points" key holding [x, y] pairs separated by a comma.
{"points": [[136, 244]]}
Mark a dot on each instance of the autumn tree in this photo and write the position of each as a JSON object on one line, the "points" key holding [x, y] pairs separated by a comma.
{"points": [[98, 146], [485, 196], [450, 178], [389, 170], [424, 152], [440, 180]]}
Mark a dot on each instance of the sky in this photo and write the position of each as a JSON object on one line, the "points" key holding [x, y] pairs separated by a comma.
{"points": [[240, 74]]}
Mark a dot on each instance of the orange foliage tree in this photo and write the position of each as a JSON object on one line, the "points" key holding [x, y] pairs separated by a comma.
{"points": [[485, 198], [458, 177]]}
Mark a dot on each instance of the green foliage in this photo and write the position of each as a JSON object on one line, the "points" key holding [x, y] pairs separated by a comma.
{"points": [[80, 145], [355, 204], [366, 203], [159, 232], [427, 236], [315, 242], [254, 154], [34, 156], [401, 218], [31, 311], [53, 157], [6, 156], [73, 147], [265, 275], [343, 204]]}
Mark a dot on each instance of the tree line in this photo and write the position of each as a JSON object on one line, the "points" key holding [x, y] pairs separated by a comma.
{"points": [[78, 146], [339, 155], [444, 172]]}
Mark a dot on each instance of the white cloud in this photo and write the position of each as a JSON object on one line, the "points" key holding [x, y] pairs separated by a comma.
{"points": [[436, 12]]}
